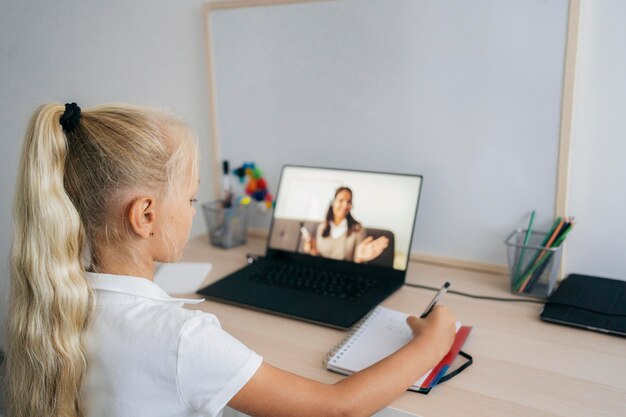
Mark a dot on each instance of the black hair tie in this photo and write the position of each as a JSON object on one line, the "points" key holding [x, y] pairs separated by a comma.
{"points": [[70, 117]]}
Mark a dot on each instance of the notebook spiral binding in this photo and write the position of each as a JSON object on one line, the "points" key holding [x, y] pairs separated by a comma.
{"points": [[353, 330]]}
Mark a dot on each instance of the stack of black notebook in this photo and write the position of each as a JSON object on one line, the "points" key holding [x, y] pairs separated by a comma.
{"points": [[590, 302]]}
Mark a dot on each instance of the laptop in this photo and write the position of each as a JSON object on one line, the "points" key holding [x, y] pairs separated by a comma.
{"points": [[589, 302], [338, 245]]}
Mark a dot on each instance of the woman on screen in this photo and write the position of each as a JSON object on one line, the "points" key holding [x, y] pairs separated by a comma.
{"points": [[340, 236]]}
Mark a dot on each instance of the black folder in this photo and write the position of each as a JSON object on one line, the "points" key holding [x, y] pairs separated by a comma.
{"points": [[593, 303]]}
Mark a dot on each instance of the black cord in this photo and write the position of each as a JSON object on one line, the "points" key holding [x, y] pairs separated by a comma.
{"points": [[517, 300], [480, 297]]}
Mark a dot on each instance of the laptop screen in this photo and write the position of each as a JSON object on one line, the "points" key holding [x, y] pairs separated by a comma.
{"points": [[353, 216]]}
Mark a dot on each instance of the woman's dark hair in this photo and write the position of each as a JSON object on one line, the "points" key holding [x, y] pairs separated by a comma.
{"points": [[353, 225]]}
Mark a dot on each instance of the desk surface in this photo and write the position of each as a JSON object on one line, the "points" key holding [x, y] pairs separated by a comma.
{"points": [[522, 366]]}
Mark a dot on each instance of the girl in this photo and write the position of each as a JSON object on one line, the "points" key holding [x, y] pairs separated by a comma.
{"points": [[102, 195]]}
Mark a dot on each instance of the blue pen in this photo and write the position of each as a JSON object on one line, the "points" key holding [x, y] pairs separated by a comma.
{"points": [[440, 375]]}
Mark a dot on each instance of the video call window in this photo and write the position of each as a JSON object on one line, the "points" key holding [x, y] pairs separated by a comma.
{"points": [[353, 216]]}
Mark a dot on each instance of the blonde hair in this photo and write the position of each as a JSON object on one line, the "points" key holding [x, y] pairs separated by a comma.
{"points": [[66, 187]]}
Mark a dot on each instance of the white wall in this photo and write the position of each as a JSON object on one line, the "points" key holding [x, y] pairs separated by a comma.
{"points": [[142, 51], [597, 245]]}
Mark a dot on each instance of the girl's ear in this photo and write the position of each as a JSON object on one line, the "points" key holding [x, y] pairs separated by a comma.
{"points": [[141, 216]]}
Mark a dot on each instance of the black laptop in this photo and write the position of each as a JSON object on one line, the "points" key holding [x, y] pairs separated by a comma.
{"points": [[338, 245]]}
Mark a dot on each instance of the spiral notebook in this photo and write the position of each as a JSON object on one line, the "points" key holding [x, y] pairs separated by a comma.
{"points": [[383, 332]]}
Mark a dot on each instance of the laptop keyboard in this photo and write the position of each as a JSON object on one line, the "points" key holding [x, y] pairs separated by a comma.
{"points": [[312, 280]]}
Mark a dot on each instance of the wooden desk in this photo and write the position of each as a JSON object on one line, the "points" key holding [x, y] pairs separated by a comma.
{"points": [[522, 366]]}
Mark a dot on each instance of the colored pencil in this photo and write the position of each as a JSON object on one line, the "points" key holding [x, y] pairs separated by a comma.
{"points": [[542, 262], [520, 260], [535, 263]]}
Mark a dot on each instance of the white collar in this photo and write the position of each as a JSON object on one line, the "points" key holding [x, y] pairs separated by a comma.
{"points": [[140, 287], [338, 230]]}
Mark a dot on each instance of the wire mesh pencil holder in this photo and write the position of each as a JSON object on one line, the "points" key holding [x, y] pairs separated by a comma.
{"points": [[533, 268], [228, 227]]}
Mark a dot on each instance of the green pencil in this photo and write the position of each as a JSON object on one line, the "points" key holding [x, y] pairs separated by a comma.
{"points": [[520, 260], [544, 259], [544, 256], [520, 282]]}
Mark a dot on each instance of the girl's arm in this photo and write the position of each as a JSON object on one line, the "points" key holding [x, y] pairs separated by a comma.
{"points": [[274, 392]]}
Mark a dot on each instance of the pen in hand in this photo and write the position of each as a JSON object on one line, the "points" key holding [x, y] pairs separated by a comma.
{"points": [[435, 299]]}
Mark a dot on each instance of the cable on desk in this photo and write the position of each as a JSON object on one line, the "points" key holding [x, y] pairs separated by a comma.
{"points": [[480, 297], [517, 300]]}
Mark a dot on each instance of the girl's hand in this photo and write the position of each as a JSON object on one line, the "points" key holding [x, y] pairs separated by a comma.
{"points": [[369, 248], [362, 394], [438, 329]]}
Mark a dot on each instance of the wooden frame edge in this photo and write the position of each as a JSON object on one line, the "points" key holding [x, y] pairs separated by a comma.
{"points": [[567, 109], [213, 129], [565, 131], [241, 4], [210, 68]]}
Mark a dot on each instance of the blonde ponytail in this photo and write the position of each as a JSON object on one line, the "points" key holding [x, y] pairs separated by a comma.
{"points": [[50, 299], [64, 193]]}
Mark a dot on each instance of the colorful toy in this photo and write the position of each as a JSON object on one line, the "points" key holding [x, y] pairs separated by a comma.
{"points": [[256, 187]]}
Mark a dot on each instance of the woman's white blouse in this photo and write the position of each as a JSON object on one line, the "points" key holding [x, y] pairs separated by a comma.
{"points": [[148, 356], [338, 230]]}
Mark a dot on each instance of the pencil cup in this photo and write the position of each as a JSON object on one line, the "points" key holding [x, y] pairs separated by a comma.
{"points": [[533, 268], [228, 227]]}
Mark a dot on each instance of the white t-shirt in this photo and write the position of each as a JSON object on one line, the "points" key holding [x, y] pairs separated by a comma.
{"points": [[148, 356], [338, 230]]}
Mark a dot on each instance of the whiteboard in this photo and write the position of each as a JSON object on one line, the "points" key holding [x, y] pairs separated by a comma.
{"points": [[466, 93]]}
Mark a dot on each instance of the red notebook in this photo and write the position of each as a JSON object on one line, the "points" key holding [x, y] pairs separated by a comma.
{"points": [[440, 370]]}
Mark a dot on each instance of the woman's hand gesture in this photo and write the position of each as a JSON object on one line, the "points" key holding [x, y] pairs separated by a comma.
{"points": [[369, 248]]}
